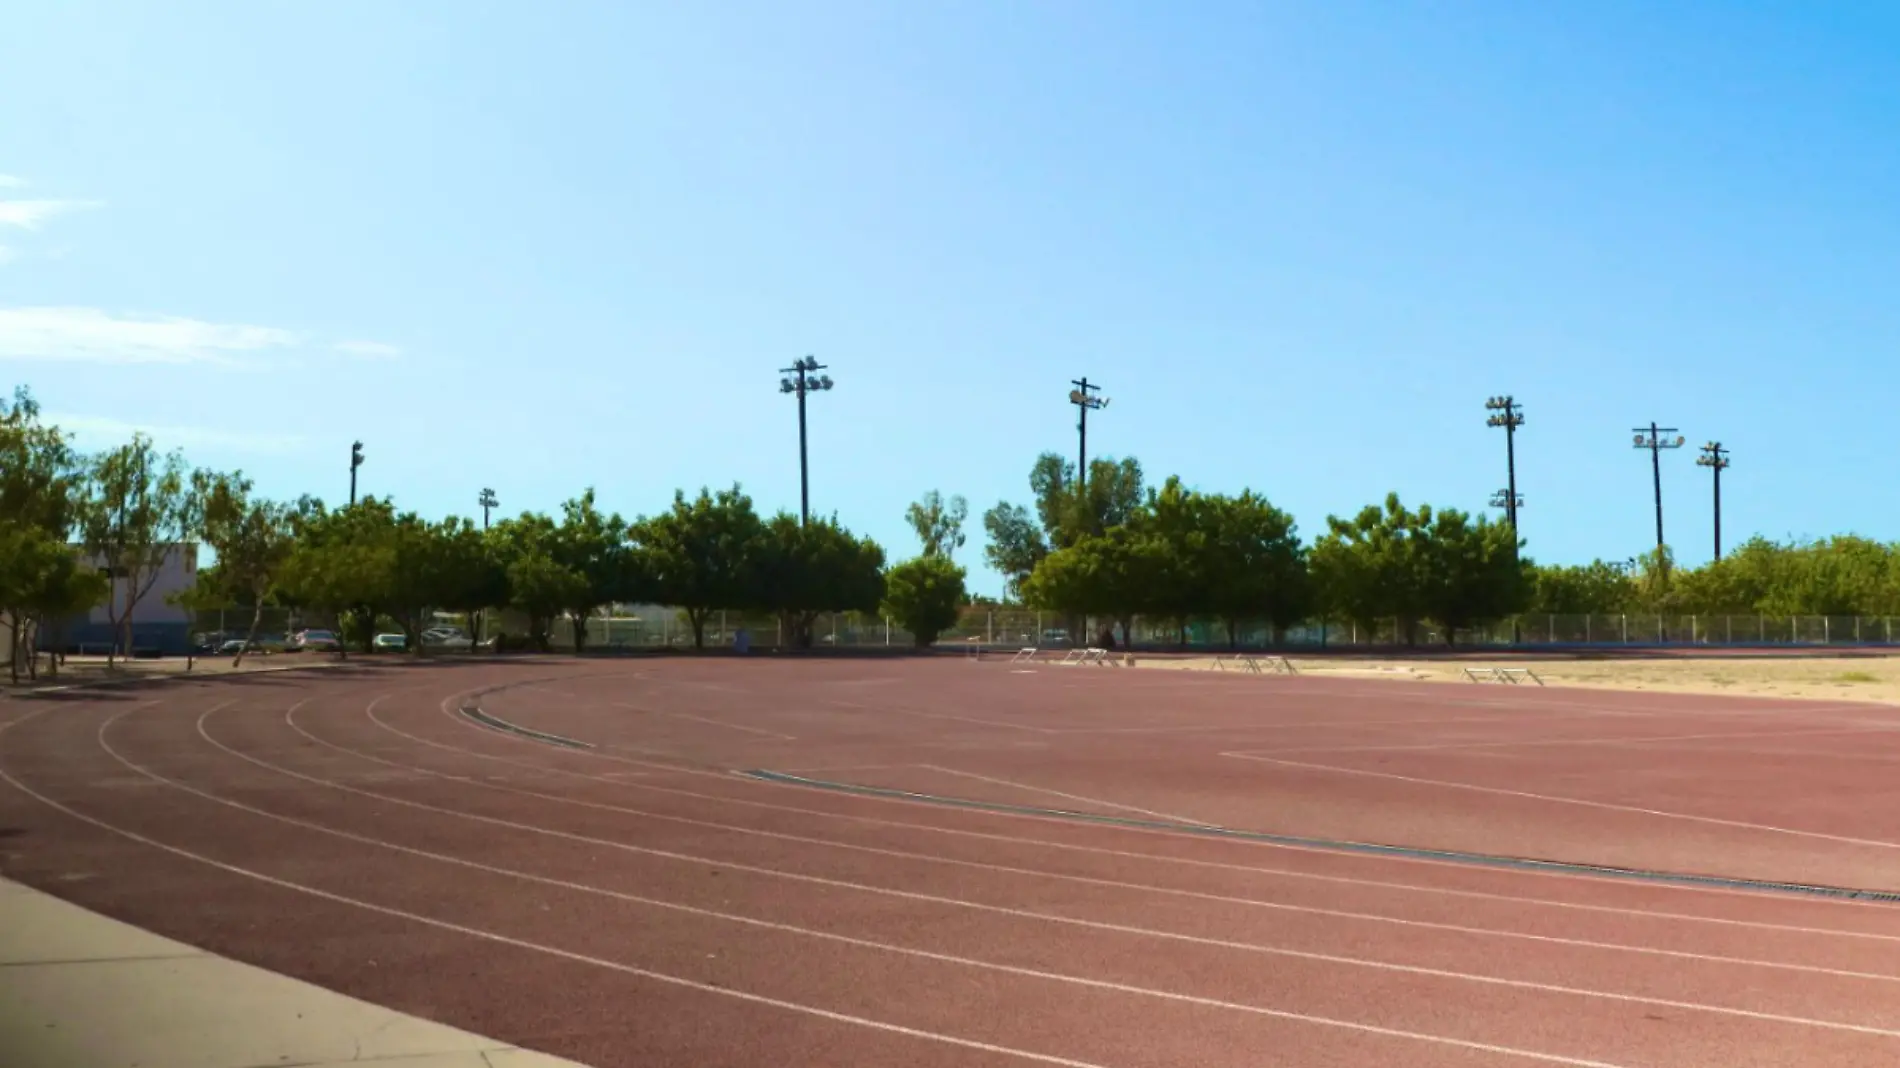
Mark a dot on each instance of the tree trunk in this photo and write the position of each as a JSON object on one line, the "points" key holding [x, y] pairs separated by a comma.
{"points": [[578, 624], [13, 648], [697, 618], [1233, 635], [257, 620]]}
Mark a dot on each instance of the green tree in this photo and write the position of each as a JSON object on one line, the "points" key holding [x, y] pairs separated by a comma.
{"points": [[41, 490], [801, 570], [1472, 573], [1254, 567], [253, 541], [469, 575], [1371, 567], [594, 547], [1112, 576], [1596, 588], [348, 564], [939, 524], [1065, 513], [143, 509], [924, 596], [1016, 545], [699, 554]]}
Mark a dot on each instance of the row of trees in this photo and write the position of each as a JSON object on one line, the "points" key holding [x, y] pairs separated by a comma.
{"points": [[1109, 546], [128, 509]]}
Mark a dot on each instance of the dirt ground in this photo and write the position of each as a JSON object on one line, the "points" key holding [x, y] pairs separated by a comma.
{"points": [[1831, 678], [81, 670]]}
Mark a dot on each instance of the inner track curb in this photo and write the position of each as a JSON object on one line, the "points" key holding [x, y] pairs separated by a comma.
{"points": [[1487, 860]]}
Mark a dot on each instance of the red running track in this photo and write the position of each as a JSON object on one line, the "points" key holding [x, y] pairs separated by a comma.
{"points": [[636, 903]]}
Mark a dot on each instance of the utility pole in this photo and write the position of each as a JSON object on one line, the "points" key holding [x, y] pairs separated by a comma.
{"points": [[1081, 397], [1507, 500], [803, 379], [356, 461], [487, 500], [1656, 439], [1715, 458], [1508, 414]]}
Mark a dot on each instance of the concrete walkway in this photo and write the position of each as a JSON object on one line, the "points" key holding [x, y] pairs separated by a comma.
{"points": [[79, 990]]}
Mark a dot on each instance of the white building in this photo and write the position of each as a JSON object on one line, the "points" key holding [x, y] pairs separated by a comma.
{"points": [[177, 573]]}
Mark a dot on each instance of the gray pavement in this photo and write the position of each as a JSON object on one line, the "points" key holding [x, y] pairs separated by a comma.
{"points": [[80, 990]]}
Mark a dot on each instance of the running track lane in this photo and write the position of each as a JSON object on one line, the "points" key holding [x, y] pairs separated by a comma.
{"points": [[1181, 967]]}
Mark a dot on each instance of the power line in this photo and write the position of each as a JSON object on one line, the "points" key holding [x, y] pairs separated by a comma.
{"points": [[1081, 397], [1656, 439], [803, 379], [1715, 458]]}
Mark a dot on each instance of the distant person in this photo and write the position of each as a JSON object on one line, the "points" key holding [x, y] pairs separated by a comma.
{"points": [[741, 641], [1106, 639]]}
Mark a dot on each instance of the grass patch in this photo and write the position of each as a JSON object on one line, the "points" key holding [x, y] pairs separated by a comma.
{"points": [[1856, 676]]}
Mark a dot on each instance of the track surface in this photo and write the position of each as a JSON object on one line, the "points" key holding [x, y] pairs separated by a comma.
{"points": [[632, 901]]}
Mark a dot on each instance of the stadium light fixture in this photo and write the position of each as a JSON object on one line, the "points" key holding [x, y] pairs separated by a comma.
{"points": [[801, 378], [1084, 398], [1507, 413], [1715, 458], [1656, 439]]}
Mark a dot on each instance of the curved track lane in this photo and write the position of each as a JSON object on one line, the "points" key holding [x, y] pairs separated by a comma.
{"points": [[636, 903]]}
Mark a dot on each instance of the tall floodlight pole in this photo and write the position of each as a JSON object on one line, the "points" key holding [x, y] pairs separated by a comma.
{"points": [[487, 500], [1508, 414], [1715, 458], [356, 461], [1656, 439], [802, 378], [1082, 396], [1507, 500]]}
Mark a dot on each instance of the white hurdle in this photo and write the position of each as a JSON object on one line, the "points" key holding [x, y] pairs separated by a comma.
{"points": [[1255, 665], [1506, 676], [1027, 652]]}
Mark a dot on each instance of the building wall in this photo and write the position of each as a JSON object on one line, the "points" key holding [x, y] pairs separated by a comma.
{"points": [[156, 623], [177, 574]]}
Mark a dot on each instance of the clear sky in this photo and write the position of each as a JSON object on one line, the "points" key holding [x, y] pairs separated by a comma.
{"points": [[544, 246]]}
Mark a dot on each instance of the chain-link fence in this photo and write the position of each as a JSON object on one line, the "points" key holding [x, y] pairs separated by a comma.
{"points": [[660, 627]]}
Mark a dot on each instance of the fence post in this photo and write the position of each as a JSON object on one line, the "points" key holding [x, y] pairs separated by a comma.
{"points": [[1728, 630], [989, 628], [1587, 620], [1550, 627], [1626, 628], [1694, 629], [1827, 630], [1659, 629], [1857, 628]]}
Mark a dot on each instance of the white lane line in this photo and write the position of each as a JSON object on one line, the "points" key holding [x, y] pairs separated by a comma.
{"points": [[1036, 873], [1554, 799], [1687, 889], [1059, 793], [1546, 743], [552, 951], [949, 958]]}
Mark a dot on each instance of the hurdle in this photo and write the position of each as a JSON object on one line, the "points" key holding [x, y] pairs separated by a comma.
{"points": [[1026, 653], [1097, 657], [1506, 676], [1255, 665]]}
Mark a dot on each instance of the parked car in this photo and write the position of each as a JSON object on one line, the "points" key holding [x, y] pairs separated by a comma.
{"points": [[235, 645], [316, 641], [391, 643]]}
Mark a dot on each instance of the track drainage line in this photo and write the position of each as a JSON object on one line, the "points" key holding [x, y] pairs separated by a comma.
{"points": [[493, 723], [1334, 845]]}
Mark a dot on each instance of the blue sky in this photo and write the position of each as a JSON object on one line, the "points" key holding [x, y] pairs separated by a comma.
{"points": [[540, 247]]}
